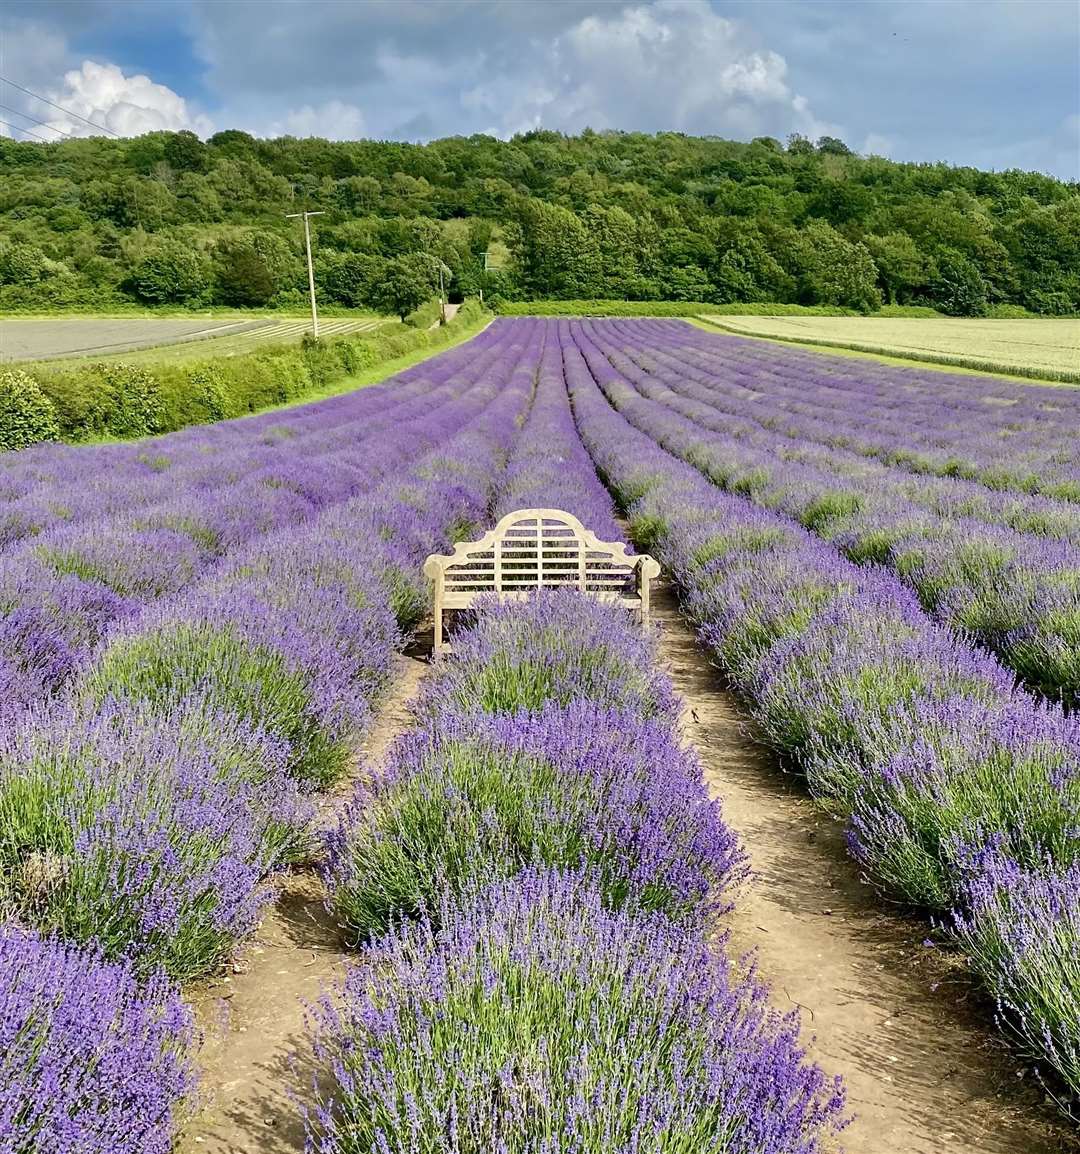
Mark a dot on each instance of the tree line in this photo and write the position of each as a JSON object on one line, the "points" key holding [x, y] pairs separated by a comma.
{"points": [[167, 218]]}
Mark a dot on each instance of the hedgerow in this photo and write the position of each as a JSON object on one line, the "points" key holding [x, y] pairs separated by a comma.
{"points": [[124, 400], [618, 308], [27, 416]]}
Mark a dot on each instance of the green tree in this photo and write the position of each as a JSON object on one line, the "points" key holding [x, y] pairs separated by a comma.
{"points": [[92, 205], [958, 287], [831, 144], [22, 264], [251, 267], [169, 273], [350, 278], [406, 283], [185, 152], [798, 145], [747, 271], [27, 415], [140, 203], [358, 194], [900, 263], [834, 271], [196, 201], [613, 231], [554, 253]]}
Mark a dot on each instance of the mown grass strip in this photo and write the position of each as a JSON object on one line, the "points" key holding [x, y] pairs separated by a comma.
{"points": [[945, 362]]}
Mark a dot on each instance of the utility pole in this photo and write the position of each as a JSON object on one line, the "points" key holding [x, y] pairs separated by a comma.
{"points": [[442, 296], [310, 266], [484, 267]]}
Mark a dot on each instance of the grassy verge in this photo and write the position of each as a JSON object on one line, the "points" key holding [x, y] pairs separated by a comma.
{"points": [[944, 362], [379, 373], [112, 401], [373, 376], [601, 308]]}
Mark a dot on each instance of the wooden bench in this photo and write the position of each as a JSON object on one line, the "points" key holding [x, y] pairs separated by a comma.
{"points": [[538, 548]]}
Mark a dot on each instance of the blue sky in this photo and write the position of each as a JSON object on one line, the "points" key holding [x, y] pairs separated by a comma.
{"points": [[993, 83]]}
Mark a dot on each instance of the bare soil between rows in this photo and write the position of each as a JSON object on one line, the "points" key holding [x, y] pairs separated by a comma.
{"points": [[254, 1020], [925, 1072], [902, 1023]]}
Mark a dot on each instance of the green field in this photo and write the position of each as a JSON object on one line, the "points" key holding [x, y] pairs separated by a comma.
{"points": [[172, 339], [1041, 348]]}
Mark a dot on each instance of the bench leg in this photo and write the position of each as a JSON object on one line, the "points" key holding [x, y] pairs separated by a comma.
{"points": [[439, 642]]}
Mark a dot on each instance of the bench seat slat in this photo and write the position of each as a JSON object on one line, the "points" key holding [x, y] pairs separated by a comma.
{"points": [[538, 548]]}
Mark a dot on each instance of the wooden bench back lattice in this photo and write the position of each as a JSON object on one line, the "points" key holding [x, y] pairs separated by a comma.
{"points": [[538, 548]]}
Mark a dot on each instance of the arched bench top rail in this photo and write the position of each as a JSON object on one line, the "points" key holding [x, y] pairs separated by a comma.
{"points": [[538, 548]]}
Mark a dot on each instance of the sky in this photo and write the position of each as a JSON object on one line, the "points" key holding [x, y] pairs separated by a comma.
{"points": [[990, 83]]}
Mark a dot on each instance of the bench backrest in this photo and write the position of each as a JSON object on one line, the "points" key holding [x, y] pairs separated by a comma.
{"points": [[533, 548]]}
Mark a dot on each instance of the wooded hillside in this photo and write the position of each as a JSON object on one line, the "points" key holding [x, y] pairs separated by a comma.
{"points": [[169, 219]]}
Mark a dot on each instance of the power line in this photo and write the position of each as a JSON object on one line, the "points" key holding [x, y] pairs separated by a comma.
{"points": [[60, 107], [34, 120], [26, 132]]}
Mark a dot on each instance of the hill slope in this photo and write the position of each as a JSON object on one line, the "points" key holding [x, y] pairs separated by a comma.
{"points": [[167, 218]]}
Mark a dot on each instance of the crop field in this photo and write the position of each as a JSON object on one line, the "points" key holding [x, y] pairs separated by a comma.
{"points": [[521, 866], [1042, 348], [158, 338]]}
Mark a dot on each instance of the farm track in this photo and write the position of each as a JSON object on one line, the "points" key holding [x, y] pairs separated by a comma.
{"points": [[33, 340], [924, 1072], [146, 340], [253, 1020]]}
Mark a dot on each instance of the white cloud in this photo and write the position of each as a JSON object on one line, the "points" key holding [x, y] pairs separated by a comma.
{"points": [[673, 64], [334, 120], [876, 144], [128, 105]]}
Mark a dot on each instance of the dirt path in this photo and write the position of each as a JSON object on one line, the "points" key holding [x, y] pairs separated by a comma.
{"points": [[451, 312], [925, 1074], [253, 1021]]}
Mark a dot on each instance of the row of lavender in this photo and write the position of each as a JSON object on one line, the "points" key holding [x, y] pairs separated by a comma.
{"points": [[65, 586], [53, 485], [1014, 590], [1020, 438], [142, 807], [536, 871], [756, 417], [960, 792]]}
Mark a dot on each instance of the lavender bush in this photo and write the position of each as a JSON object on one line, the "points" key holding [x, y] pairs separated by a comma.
{"points": [[89, 1059], [534, 1020], [146, 836], [569, 786], [1003, 583], [549, 464], [122, 541], [557, 646], [1021, 930], [178, 672], [917, 741], [845, 671], [1007, 437]]}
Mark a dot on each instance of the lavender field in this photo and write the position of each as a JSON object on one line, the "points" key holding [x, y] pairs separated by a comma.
{"points": [[197, 633]]}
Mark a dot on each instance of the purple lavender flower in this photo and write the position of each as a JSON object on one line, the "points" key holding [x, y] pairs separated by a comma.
{"points": [[145, 835], [580, 785], [558, 645], [89, 1059], [1021, 930], [903, 730], [534, 1020]]}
